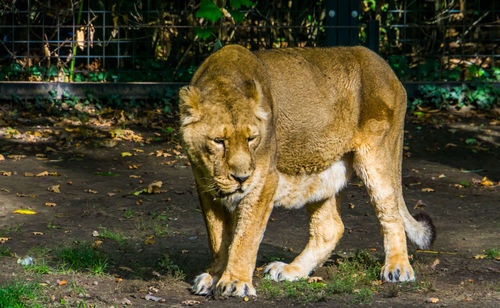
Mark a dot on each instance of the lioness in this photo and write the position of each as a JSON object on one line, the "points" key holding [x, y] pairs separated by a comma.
{"points": [[287, 127]]}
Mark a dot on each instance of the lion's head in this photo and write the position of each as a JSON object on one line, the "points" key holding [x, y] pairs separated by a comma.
{"points": [[225, 125]]}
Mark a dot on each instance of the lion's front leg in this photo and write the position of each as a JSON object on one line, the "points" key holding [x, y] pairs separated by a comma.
{"points": [[219, 224], [251, 218]]}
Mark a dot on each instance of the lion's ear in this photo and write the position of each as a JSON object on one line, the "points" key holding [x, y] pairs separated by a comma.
{"points": [[189, 102], [253, 91]]}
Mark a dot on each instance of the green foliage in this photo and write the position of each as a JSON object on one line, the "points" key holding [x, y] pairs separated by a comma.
{"points": [[209, 10], [117, 237], [83, 257], [492, 253], [482, 96], [168, 266], [19, 294], [5, 252]]}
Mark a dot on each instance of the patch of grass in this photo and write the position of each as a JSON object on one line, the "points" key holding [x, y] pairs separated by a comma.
{"points": [[19, 294], [10, 229], [353, 273], [173, 270], [117, 237], [160, 228], [83, 257], [6, 252], [492, 253], [128, 213], [363, 296], [39, 266]]}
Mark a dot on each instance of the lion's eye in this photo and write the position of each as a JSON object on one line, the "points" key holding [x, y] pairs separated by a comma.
{"points": [[252, 138], [219, 141]]}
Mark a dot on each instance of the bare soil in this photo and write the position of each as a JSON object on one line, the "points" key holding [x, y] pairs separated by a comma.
{"points": [[446, 160]]}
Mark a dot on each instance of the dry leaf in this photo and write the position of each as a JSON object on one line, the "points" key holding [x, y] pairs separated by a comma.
{"points": [[95, 233], [26, 212], [97, 243], [80, 38], [61, 282], [29, 174], [351, 206], [434, 264], [37, 233], [55, 188], [246, 299], [51, 204], [420, 204], [3, 240], [486, 182], [316, 279], [6, 173], [91, 191], [427, 189], [190, 302], [125, 154], [2, 157], [111, 194], [134, 176], [44, 173], [480, 256], [432, 300], [119, 279], [154, 188], [133, 167]]}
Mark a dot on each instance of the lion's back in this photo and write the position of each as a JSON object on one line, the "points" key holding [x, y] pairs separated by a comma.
{"points": [[320, 95]]}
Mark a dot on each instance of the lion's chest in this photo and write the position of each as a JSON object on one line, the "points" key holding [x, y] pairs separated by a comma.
{"points": [[296, 191]]}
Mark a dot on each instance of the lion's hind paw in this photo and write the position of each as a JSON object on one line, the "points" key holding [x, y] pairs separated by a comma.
{"points": [[397, 273], [203, 284], [280, 271]]}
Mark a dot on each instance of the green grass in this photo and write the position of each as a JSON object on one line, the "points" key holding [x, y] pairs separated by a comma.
{"points": [[129, 213], [117, 237], [39, 266], [168, 266], [19, 294], [5, 252], [492, 253], [352, 274], [83, 257]]}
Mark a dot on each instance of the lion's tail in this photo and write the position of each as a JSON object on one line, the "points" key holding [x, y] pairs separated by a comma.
{"points": [[419, 228]]}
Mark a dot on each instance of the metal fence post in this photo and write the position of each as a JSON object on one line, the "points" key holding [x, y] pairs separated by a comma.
{"points": [[342, 22], [373, 35]]}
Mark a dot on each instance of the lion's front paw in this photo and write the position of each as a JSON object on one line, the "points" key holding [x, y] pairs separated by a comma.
{"points": [[203, 284], [229, 286], [397, 272], [281, 271]]}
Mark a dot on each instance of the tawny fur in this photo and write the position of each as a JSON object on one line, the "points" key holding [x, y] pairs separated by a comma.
{"points": [[286, 128]]}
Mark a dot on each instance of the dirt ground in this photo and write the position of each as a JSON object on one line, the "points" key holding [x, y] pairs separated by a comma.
{"points": [[446, 162]]}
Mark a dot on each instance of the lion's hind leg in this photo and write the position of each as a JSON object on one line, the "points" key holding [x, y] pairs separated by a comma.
{"points": [[325, 229], [378, 163]]}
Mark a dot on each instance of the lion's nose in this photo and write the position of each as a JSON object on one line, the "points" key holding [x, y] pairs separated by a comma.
{"points": [[240, 178]]}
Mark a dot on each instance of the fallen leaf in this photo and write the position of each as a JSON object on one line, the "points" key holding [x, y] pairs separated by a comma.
{"points": [[6, 173], [119, 279], [246, 299], [154, 188], [138, 150], [149, 242], [427, 189], [55, 188], [420, 204], [27, 212], [466, 299], [97, 243], [486, 182], [441, 176], [191, 302], [134, 176], [434, 264], [432, 300], [133, 167], [29, 174], [111, 194], [95, 233], [315, 279], [125, 154], [2, 157], [125, 268], [37, 233], [3, 240], [480, 256], [91, 191], [351, 206], [51, 204], [61, 282], [44, 173]]}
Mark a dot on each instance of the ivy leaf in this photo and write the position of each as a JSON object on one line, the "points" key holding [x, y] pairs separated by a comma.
{"points": [[238, 16], [237, 4], [208, 10], [203, 33]]}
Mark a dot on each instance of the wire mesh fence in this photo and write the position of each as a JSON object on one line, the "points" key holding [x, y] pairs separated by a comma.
{"points": [[152, 40]]}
